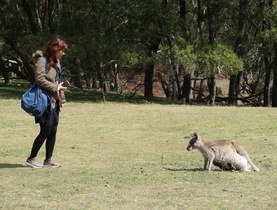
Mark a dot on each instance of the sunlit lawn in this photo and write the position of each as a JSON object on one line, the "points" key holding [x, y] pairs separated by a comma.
{"points": [[127, 156]]}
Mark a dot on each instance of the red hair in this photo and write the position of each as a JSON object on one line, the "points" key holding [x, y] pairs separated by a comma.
{"points": [[55, 44]]}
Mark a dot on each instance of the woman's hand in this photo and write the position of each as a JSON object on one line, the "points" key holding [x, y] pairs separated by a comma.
{"points": [[60, 88]]}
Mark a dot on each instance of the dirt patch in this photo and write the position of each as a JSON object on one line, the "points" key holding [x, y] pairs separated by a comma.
{"points": [[133, 82]]}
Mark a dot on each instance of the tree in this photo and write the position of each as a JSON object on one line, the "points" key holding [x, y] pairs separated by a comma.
{"points": [[200, 37], [147, 24]]}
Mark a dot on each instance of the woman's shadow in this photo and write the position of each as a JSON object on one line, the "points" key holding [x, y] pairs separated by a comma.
{"points": [[8, 165]]}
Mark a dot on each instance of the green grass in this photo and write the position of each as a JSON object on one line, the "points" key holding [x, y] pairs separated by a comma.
{"points": [[133, 156]]}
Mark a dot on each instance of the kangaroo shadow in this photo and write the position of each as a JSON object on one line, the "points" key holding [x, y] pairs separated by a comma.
{"points": [[182, 169], [193, 169], [8, 165]]}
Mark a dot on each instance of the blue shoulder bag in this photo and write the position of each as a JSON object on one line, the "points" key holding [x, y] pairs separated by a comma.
{"points": [[35, 100]]}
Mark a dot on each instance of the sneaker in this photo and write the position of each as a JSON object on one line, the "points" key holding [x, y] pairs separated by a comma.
{"points": [[51, 163], [33, 163]]}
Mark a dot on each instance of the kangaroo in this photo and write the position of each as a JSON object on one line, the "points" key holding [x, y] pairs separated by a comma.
{"points": [[227, 155]]}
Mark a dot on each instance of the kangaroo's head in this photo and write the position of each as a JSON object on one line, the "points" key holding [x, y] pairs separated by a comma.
{"points": [[194, 142]]}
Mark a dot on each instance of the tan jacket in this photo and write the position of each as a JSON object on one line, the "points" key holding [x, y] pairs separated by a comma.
{"points": [[47, 80]]}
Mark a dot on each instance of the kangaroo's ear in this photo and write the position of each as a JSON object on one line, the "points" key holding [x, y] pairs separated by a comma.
{"points": [[194, 135], [198, 137]]}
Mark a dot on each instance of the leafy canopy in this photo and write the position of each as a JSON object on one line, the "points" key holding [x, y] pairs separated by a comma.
{"points": [[218, 59]]}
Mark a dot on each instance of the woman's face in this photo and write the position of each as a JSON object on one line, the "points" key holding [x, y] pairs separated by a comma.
{"points": [[59, 54]]}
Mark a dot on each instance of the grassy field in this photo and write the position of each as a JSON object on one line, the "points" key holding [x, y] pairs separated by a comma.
{"points": [[133, 156]]}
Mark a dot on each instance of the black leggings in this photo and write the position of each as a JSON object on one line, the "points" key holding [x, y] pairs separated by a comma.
{"points": [[48, 133]]}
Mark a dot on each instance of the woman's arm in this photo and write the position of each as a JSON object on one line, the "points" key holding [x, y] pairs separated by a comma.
{"points": [[46, 82]]}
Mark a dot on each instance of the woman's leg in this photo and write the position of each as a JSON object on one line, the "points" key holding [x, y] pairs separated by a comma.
{"points": [[50, 142], [44, 133]]}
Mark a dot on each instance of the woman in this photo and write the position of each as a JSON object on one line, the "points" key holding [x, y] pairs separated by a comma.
{"points": [[47, 76]]}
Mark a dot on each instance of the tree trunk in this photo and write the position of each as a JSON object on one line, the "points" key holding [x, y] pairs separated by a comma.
{"points": [[274, 86], [50, 15], [274, 90], [199, 17], [242, 7], [212, 89], [210, 23], [237, 86], [201, 89], [4, 72], [232, 90], [183, 9], [183, 16], [94, 82], [6, 78], [31, 19], [116, 77], [174, 80], [186, 89], [76, 78], [148, 81], [268, 69]]}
